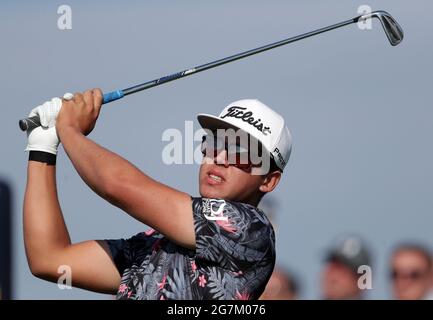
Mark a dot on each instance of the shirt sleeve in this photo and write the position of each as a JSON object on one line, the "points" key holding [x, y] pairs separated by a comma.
{"points": [[125, 252], [119, 249], [233, 235]]}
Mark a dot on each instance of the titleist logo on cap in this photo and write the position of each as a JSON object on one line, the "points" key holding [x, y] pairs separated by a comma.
{"points": [[246, 116]]}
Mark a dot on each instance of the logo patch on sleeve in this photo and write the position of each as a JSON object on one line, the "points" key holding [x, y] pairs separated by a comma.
{"points": [[213, 209]]}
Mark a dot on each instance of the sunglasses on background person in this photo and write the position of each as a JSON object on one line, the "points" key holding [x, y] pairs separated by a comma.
{"points": [[413, 275]]}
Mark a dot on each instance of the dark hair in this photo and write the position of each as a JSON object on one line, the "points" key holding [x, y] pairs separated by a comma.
{"points": [[422, 250], [273, 166]]}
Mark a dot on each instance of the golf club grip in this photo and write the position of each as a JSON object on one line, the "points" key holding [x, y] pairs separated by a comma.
{"points": [[33, 122], [112, 96], [29, 123]]}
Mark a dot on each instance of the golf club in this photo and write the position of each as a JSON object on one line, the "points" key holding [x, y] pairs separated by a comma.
{"points": [[392, 30]]}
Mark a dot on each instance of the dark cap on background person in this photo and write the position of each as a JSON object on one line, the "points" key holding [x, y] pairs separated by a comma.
{"points": [[339, 278], [350, 251]]}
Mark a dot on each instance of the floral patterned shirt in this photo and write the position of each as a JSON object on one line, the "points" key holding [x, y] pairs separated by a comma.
{"points": [[233, 259]]}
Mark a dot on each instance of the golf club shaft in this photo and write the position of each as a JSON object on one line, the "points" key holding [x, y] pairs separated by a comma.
{"points": [[30, 123]]}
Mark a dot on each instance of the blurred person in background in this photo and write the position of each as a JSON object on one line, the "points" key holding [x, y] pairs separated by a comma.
{"points": [[340, 275], [5, 241], [281, 286], [270, 206], [411, 272]]}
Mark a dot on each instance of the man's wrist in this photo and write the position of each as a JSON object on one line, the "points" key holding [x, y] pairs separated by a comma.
{"points": [[64, 131], [44, 157]]}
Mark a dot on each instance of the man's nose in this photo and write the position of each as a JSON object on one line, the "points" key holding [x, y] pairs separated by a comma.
{"points": [[221, 158]]}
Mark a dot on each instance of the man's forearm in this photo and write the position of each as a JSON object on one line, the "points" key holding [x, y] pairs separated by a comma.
{"points": [[44, 228], [118, 181], [100, 168]]}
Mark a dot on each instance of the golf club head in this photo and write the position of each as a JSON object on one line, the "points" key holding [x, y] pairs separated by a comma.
{"points": [[392, 29]]}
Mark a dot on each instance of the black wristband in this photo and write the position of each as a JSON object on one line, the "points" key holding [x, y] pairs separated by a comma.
{"points": [[42, 156]]}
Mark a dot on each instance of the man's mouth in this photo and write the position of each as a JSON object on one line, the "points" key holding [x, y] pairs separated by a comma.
{"points": [[214, 178]]}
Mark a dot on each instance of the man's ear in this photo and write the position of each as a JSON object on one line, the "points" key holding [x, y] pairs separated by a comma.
{"points": [[270, 182]]}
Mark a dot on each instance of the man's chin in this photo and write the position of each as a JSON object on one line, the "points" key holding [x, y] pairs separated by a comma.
{"points": [[207, 191]]}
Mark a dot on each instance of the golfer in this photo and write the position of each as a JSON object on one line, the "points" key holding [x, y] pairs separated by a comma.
{"points": [[216, 246]]}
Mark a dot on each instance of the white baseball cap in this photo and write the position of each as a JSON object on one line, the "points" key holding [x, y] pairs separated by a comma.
{"points": [[259, 121]]}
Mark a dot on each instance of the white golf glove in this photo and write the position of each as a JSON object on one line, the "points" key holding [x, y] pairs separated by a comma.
{"points": [[47, 112], [44, 138], [41, 139]]}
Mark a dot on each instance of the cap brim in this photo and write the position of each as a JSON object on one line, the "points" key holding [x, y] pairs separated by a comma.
{"points": [[210, 122], [213, 123], [336, 256]]}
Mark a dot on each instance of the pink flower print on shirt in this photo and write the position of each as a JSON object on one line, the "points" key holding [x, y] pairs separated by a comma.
{"points": [[123, 288], [237, 274], [162, 284], [202, 281], [226, 225], [149, 232], [242, 296]]}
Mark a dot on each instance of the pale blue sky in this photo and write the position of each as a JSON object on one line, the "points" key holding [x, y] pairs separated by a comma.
{"points": [[360, 112]]}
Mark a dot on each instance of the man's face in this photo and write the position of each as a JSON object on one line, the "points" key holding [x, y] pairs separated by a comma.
{"points": [[220, 180], [278, 288], [339, 282], [411, 277]]}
